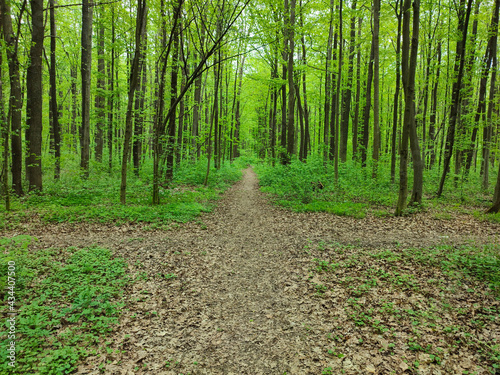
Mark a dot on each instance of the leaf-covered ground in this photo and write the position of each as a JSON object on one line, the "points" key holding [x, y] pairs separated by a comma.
{"points": [[254, 289]]}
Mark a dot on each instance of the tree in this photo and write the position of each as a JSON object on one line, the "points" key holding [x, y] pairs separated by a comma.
{"points": [[53, 93], [34, 108], [140, 27], [15, 101], [86, 65], [463, 23], [408, 67]]}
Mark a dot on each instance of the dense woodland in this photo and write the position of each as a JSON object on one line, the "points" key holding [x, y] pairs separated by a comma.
{"points": [[400, 86]]}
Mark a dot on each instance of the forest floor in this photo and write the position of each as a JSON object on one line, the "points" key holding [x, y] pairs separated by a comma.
{"points": [[262, 290]]}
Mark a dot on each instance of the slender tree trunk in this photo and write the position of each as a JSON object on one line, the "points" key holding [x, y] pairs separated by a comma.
{"points": [[355, 121], [408, 67], [237, 115], [16, 96], [111, 95], [399, 14], [86, 73], [139, 106], [491, 51], [376, 87], [488, 130], [34, 94], [418, 166], [213, 117], [291, 85], [366, 117], [4, 128], [455, 103], [328, 86], [496, 198], [100, 97], [432, 117], [347, 94], [170, 149], [142, 12], [56, 129]]}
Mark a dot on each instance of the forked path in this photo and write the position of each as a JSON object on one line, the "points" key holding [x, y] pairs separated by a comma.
{"points": [[240, 301]]}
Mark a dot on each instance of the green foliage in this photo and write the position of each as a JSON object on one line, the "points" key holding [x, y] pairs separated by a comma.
{"points": [[67, 299], [75, 199], [481, 262], [355, 192]]}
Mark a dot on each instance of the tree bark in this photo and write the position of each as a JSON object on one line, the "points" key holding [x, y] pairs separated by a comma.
{"points": [[455, 103], [34, 110], [99, 97], [347, 94], [86, 80], [418, 167], [376, 87], [135, 70], [291, 85], [16, 96], [398, 9]]}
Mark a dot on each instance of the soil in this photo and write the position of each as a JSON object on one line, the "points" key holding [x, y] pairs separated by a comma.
{"points": [[241, 301]]}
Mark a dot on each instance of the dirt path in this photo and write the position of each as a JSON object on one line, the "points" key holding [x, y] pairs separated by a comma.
{"points": [[241, 301]]}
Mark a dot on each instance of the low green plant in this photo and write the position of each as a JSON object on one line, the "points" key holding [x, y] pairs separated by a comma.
{"points": [[68, 300]]}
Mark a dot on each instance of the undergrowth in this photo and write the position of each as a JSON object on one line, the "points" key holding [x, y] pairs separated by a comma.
{"points": [[67, 300], [311, 186], [96, 199]]}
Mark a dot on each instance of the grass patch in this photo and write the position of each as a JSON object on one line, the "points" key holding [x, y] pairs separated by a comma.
{"points": [[296, 186], [357, 210], [74, 199], [67, 300]]}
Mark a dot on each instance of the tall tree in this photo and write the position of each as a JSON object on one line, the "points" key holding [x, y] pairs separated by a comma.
{"points": [[347, 94], [86, 65], [56, 129], [34, 93], [463, 23], [140, 27], [291, 86], [16, 96], [408, 67], [376, 85]]}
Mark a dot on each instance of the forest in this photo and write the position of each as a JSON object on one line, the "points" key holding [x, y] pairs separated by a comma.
{"points": [[319, 177]]}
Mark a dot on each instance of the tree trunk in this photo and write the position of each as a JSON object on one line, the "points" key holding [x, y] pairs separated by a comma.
{"points": [[366, 117], [496, 198], [347, 94], [99, 97], [4, 129], [491, 51], [111, 96], [86, 80], [142, 12], [170, 149], [399, 14], [56, 129], [432, 117], [328, 86], [408, 67], [355, 121], [418, 167], [455, 103], [139, 105], [34, 110], [16, 96], [376, 85], [291, 85]]}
